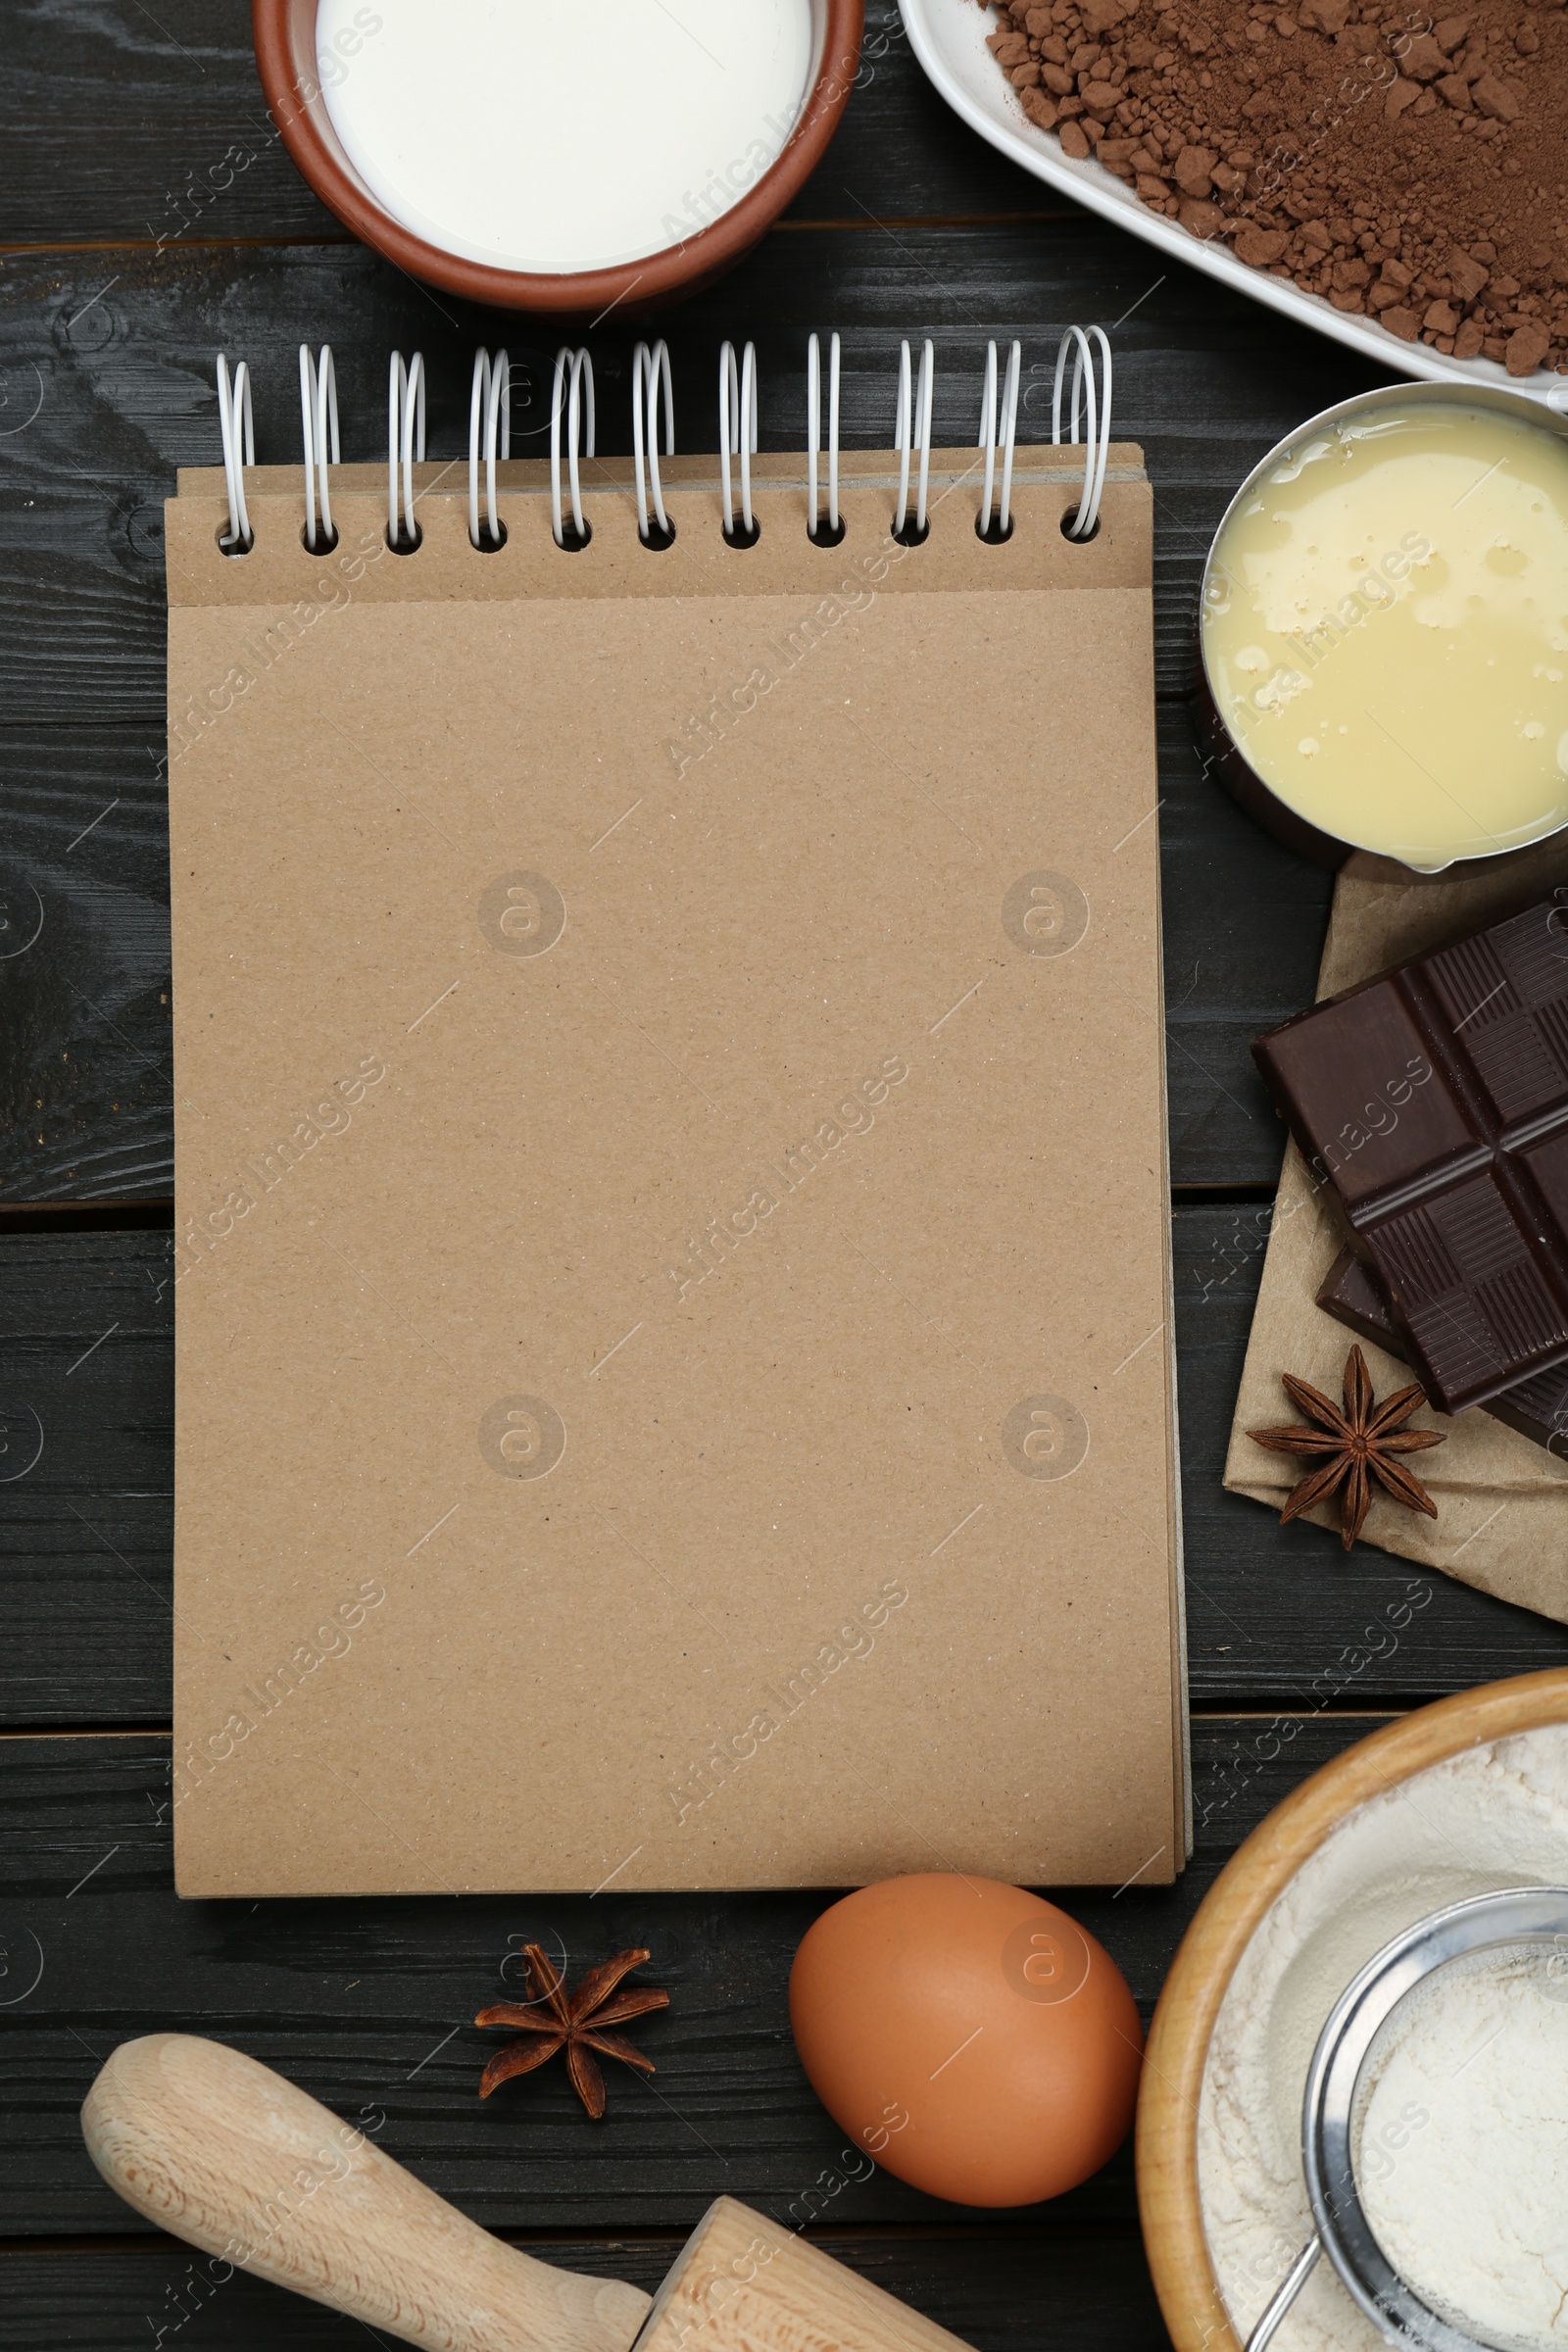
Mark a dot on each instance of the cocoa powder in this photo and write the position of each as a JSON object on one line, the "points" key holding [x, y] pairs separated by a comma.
{"points": [[1409, 167]]}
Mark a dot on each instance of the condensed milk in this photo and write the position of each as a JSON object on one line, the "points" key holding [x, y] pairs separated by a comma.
{"points": [[1384, 627]]}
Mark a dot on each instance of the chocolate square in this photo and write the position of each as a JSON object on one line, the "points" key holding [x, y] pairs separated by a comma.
{"points": [[1435, 1099], [1536, 1409]]}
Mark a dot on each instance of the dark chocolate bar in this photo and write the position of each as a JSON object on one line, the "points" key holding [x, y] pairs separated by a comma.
{"points": [[1536, 1409], [1435, 1101]]}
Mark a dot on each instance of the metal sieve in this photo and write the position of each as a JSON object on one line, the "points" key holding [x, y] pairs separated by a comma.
{"points": [[1518, 1915]]}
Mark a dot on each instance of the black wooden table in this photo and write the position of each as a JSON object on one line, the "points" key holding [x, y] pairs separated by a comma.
{"points": [[150, 217]]}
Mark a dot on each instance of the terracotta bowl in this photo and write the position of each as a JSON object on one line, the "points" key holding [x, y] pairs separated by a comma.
{"points": [[1169, 2198], [284, 32]]}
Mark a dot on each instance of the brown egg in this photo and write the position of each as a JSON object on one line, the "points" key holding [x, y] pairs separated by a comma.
{"points": [[968, 2035]]}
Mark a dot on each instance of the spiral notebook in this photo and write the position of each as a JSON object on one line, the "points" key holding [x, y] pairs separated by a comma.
{"points": [[674, 1383]]}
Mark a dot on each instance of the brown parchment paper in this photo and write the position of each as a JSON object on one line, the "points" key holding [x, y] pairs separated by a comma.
{"points": [[671, 1167], [1502, 1512]]}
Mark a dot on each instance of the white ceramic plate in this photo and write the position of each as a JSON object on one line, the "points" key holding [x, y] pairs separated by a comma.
{"points": [[949, 38]]}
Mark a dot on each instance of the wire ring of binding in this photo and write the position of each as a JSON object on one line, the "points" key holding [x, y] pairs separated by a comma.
{"points": [[989, 439], [571, 399], [404, 438], [1096, 444], [737, 437], [237, 426], [489, 420], [814, 403], [650, 373], [318, 419], [920, 438]]}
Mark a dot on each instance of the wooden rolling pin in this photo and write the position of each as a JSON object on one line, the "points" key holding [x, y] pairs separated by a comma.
{"points": [[226, 2154]]}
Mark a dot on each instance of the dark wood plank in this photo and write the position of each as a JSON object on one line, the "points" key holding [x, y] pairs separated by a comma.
{"points": [[1243, 922], [86, 1097], [120, 126], [88, 1526], [999, 2291], [367, 2004], [86, 1087], [1273, 1613]]}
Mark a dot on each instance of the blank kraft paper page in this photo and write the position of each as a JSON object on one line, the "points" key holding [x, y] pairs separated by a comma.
{"points": [[673, 1360]]}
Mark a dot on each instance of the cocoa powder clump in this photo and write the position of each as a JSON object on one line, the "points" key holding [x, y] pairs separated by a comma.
{"points": [[1407, 168]]}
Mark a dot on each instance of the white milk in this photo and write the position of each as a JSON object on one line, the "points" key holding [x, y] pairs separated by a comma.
{"points": [[538, 137]]}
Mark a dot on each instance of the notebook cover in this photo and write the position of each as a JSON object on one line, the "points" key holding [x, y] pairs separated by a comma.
{"points": [[674, 1381]]}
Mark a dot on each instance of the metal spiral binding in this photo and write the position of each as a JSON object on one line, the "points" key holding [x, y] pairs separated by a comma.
{"points": [[737, 437], [238, 429], [319, 421], [405, 433], [1085, 520], [913, 433], [813, 404], [1001, 527], [571, 402], [489, 420], [650, 375], [1087, 399]]}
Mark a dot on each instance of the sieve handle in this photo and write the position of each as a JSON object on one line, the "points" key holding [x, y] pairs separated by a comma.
{"points": [[1285, 2295]]}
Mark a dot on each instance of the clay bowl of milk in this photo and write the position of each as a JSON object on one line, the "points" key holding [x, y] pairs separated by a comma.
{"points": [[549, 159], [1383, 631]]}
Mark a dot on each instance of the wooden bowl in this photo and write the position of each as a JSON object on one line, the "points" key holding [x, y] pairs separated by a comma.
{"points": [[1178, 2042], [284, 35]]}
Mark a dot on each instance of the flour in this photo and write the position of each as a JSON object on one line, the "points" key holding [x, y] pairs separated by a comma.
{"points": [[1462, 2157], [1496, 1816]]}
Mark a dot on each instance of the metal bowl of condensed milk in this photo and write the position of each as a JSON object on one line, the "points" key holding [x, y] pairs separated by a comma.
{"points": [[1383, 631]]}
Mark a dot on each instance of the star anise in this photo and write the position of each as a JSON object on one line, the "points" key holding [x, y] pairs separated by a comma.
{"points": [[578, 2021], [1358, 1445]]}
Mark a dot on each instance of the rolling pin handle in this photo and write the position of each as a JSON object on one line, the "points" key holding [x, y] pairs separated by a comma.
{"points": [[230, 2157]]}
